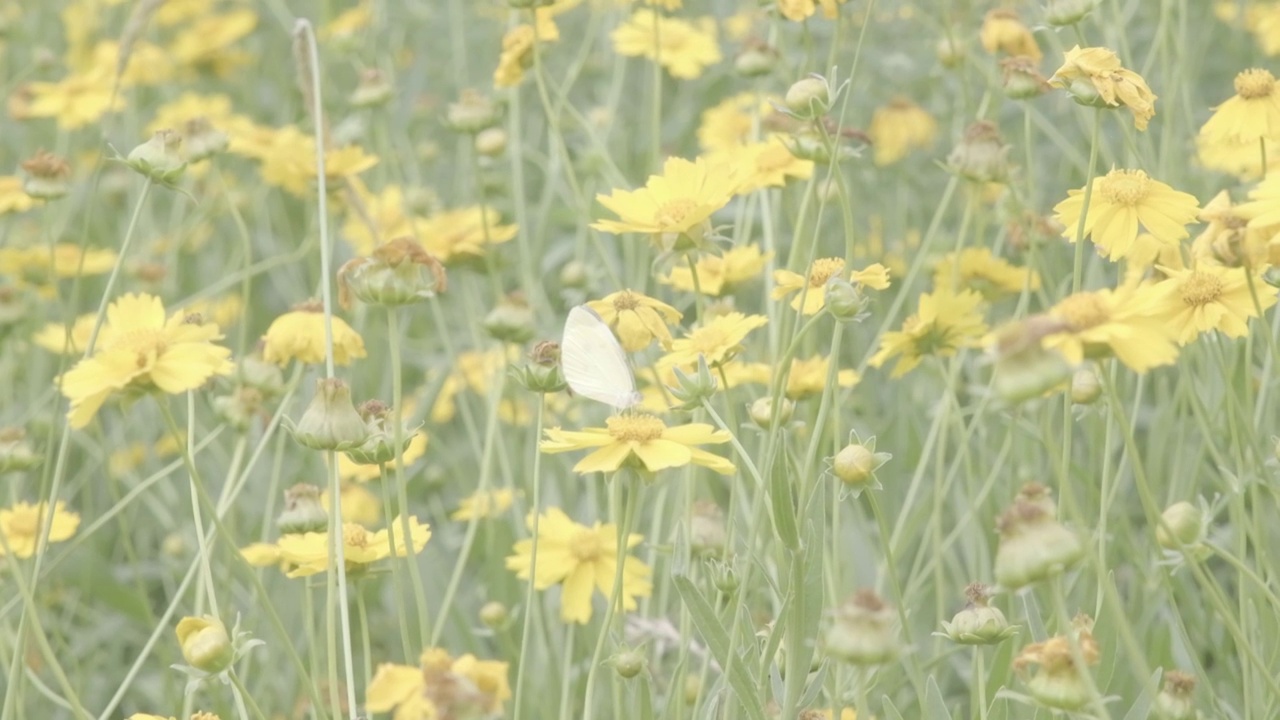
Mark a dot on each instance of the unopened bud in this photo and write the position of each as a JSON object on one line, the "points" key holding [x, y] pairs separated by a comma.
{"points": [[1181, 526], [472, 112], [330, 421], [761, 411], [629, 663], [845, 301], [511, 320], [1068, 12], [856, 464], [950, 52], [809, 98], [493, 614], [16, 453], [160, 158], [757, 58], [491, 142], [205, 643], [1085, 387]]}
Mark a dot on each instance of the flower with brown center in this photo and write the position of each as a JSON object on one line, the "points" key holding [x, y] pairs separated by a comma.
{"points": [[641, 441]]}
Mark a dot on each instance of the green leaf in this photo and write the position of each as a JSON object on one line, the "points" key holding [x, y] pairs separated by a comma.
{"points": [[704, 619]]}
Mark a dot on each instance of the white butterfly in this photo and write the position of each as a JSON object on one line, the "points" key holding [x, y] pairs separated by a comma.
{"points": [[593, 361]]}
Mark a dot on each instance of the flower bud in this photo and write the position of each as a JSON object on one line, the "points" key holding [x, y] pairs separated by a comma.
{"points": [[862, 632], [1085, 387], [239, 408], [1174, 702], [397, 273], [1083, 91], [201, 140], [1033, 544], [542, 374], [491, 142], [574, 275], [724, 576], [691, 689], [629, 663], [380, 447], [706, 530], [16, 453], [1181, 526], [303, 510], [845, 301], [46, 176], [981, 156], [950, 52], [761, 411], [856, 464], [472, 112], [757, 58], [372, 90], [692, 388], [1068, 12], [205, 643], [330, 421], [511, 320], [160, 158], [174, 545], [1022, 81], [978, 623], [493, 614], [809, 98]]}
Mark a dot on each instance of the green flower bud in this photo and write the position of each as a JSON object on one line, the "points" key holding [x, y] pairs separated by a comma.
{"points": [[330, 421], [472, 112], [629, 663], [491, 142], [494, 615], [692, 388], [761, 411], [757, 58], [1086, 388], [239, 408], [160, 158], [809, 98], [206, 645], [511, 320], [845, 301], [856, 464], [950, 52], [1068, 12], [724, 576], [1181, 526], [303, 510]]}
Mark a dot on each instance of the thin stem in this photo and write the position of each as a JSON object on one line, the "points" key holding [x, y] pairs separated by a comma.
{"points": [[402, 492], [526, 630], [625, 500]]}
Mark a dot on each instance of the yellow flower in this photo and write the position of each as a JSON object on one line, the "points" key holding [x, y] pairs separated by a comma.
{"points": [[288, 158], [359, 506], [477, 371], [13, 199], [1130, 322], [206, 645], [1003, 31], [639, 440], [299, 335], [808, 377], [1209, 297], [348, 469], [717, 340], [308, 553], [1245, 234], [223, 311], [489, 504], [580, 558], [898, 128], [845, 714], [1244, 160], [207, 42], [684, 48], [944, 323], [40, 266], [20, 526], [138, 348], [719, 274], [148, 64], [76, 100], [189, 106], [516, 55], [821, 272], [680, 200], [977, 268], [53, 336], [637, 319], [733, 122], [800, 10], [1251, 115], [427, 691], [463, 233], [348, 23], [1122, 204], [1260, 19], [374, 219], [1114, 85], [765, 164]]}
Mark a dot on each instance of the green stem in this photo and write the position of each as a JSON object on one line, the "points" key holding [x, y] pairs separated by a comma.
{"points": [[526, 630], [627, 506], [402, 492]]}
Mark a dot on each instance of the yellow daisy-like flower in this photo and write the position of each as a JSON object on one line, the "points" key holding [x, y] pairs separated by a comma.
{"points": [[189, 106], [376, 218], [488, 504], [13, 199], [944, 323], [977, 268], [463, 233], [580, 559], [299, 335], [1210, 297], [1115, 86], [1122, 204], [642, 441], [1252, 114], [20, 524], [518, 42], [680, 200], [358, 504], [637, 319], [308, 553], [822, 271], [801, 10], [1247, 234], [717, 340], [719, 274], [77, 100], [1003, 31], [436, 684], [808, 377], [38, 267], [733, 122], [765, 164], [477, 371], [207, 41], [1130, 322], [288, 160], [138, 348], [348, 469], [684, 48], [1244, 160], [898, 128], [1261, 19], [54, 338]]}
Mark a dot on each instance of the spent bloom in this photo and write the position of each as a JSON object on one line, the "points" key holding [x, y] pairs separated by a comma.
{"points": [[581, 559], [1123, 204], [685, 48], [1094, 76], [642, 441], [139, 349], [20, 525], [1033, 544], [1059, 680], [637, 319]]}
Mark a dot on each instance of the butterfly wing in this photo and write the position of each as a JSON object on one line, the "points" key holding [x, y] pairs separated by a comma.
{"points": [[593, 361]]}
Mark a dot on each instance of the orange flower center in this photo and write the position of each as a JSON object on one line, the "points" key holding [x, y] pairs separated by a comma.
{"points": [[1255, 83], [1200, 288], [1125, 187], [354, 535], [585, 545], [635, 428], [626, 301], [823, 269], [674, 212], [1083, 311]]}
